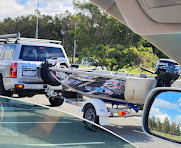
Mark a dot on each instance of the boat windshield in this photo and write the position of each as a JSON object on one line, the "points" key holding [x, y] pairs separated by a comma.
{"points": [[29, 125]]}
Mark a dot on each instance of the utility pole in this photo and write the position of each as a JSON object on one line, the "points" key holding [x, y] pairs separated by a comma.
{"points": [[36, 35], [75, 42]]}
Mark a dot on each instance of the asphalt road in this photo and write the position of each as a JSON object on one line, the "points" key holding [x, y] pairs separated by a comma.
{"points": [[128, 128]]}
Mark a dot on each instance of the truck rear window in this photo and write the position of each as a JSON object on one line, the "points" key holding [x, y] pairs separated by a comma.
{"points": [[40, 53]]}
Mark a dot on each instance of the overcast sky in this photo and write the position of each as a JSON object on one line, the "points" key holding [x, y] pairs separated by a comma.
{"points": [[14, 8]]}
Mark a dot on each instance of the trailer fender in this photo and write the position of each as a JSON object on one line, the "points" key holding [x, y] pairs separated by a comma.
{"points": [[100, 108]]}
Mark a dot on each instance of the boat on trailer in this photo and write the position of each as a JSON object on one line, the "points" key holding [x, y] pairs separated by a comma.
{"points": [[101, 87], [107, 85]]}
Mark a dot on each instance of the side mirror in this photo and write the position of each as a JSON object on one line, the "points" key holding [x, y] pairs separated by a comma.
{"points": [[162, 114], [75, 65]]}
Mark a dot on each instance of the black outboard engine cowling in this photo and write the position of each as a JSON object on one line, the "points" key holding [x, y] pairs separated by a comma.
{"points": [[168, 71]]}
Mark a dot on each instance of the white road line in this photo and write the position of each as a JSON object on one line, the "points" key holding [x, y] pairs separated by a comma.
{"points": [[137, 118], [138, 131], [36, 109], [66, 144], [33, 122]]}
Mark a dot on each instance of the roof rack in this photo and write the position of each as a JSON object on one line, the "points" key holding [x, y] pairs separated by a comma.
{"points": [[39, 40], [5, 38], [9, 38]]}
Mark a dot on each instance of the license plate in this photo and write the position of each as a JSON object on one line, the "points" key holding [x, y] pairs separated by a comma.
{"points": [[60, 75], [30, 73]]}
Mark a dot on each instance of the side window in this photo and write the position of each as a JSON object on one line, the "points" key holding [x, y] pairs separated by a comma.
{"points": [[1, 51], [9, 51]]}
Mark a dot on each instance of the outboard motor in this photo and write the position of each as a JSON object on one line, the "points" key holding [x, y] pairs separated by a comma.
{"points": [[168, 71]]}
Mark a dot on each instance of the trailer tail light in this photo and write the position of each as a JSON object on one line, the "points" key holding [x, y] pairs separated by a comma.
{"points": [[13, 70], [20, 86], [121, 113]]}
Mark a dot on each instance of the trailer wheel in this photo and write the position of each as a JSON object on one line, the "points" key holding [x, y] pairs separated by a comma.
{"points": [[56, 101], [90, 114]]}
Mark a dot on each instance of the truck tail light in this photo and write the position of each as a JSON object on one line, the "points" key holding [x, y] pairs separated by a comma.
{"points": [[13, 70], [20, 86]]}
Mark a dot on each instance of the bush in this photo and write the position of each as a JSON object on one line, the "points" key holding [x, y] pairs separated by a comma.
{"points": [[118, 56]]}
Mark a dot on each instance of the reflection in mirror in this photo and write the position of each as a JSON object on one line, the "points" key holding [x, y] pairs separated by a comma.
{"points": [[165, 116]]}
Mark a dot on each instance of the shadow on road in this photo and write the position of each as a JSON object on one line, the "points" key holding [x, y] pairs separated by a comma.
{"points": [[133, 134]]}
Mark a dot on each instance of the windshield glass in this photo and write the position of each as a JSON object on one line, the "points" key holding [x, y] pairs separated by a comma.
{"points": [[29, 125], [40, 53]]}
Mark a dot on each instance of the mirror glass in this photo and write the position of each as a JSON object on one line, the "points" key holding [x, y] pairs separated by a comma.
{"points": [[165, 116]]}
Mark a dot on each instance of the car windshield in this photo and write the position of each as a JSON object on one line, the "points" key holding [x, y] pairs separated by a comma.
{"points": [[40, 53], [28, 125]]}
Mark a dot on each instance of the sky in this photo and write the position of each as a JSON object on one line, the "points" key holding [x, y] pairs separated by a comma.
{"points": [[167, 104], [15, 8]]}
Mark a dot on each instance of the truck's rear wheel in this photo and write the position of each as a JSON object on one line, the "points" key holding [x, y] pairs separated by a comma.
{"points": [[21, 95], [90, 114], [56, 101], [71, 94], [25, 94], [4, 92]]}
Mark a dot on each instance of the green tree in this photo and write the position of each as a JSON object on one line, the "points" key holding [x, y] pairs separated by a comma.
{"points": [[177, 131], [166, 126], [172, 129], [159, 124], [152, 123], [100, 37]]}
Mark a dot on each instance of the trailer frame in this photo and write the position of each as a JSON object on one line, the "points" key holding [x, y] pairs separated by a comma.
{"points": [[101, 109]]}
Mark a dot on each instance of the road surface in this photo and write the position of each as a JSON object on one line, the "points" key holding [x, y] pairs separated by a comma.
{"points": [[128, 128]]}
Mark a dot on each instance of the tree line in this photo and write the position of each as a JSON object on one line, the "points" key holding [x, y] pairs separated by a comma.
{"points": [[100, 37], [166, 127]]}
